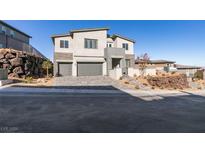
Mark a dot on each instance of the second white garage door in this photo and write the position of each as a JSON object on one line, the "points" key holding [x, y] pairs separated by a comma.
{"points": [[89, 68]]}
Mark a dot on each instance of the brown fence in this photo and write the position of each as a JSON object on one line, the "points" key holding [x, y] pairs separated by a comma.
{"points": [[9, 42]]}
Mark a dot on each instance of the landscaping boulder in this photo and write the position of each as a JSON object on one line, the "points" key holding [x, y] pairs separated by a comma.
{"points": [[176, 81], [9, 56], [1, 56], [6, 66], [21, 64], [13, 75], [18, 70], [16, 62]]}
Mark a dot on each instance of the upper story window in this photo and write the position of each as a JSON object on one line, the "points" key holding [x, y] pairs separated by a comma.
{"points": [[125, 46], [3, 29], [109, 45], [64, 44], [12, 33], [91, 43]]}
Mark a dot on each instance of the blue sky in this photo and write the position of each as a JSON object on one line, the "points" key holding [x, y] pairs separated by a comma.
{"points": [[181, 41]]}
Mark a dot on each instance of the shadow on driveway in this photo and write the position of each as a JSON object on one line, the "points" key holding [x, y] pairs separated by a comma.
{"points": [[111, 112]]}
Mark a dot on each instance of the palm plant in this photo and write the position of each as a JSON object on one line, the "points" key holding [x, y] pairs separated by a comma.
{"points": [[47, 65]]}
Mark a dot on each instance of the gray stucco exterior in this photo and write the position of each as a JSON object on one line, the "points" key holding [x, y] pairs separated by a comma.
{"points": [[118, 53], [16, 34], [61, 57]]}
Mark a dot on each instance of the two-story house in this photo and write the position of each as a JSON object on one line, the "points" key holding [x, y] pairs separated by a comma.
{"points": [[92, 52], [11, 37], [7, 31]]}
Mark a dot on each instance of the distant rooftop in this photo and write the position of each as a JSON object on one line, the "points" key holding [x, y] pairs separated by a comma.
{"points": [[4, 23], [178, 66], [156, 61]]}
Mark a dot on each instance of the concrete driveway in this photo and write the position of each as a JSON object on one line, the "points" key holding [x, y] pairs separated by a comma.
{"points": [[100, 109]]}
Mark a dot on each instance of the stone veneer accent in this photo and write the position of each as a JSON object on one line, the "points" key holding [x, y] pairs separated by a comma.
{"points": [[63, 56], [58, 56]]}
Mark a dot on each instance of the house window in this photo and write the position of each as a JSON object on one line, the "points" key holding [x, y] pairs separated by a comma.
{"points": [[3, 29], [125, 46], [109, 45], [64, 44], [12, 33], [90, 43]]}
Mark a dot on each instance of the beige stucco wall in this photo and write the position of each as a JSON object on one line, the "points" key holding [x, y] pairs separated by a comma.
{"points": [[78, 43], [57, 44], [118, 44], [188, 72], [115, 73], [147, 71]]}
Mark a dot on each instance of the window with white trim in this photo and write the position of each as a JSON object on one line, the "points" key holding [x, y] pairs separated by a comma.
{"points": [[109, 45], [64, 44], [12, 33], [125, 46], [91, 43], [3, 29]]}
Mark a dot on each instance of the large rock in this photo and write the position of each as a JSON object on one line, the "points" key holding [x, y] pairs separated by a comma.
{"points": [[4, 61], [6, 66], [1, 56], [16, 62], [13, 75], [21, 64], [176, 81], [9, 56], [18, 70]]}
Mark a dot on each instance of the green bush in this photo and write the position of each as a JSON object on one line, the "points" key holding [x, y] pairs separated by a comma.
{"points": [[199, 75]]}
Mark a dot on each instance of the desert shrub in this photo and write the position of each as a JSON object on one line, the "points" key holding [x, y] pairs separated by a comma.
{"points": [[28, 79], [137, 87], [47, 65], [50, 75], [126, 82], [199, 75], [153, 87], [120, 78]]}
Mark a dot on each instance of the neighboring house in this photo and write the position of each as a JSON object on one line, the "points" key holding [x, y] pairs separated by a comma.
{"points": [[153, 66], [203, 72], [188, 70], [92, 52], [11, 37]]}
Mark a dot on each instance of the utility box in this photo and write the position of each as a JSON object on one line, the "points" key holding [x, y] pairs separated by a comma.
{"points": [[3, 74]]}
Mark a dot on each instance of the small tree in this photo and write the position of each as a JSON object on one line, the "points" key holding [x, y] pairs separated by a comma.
{"points": [[199, 75], [47, 65], [143, 62]]}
